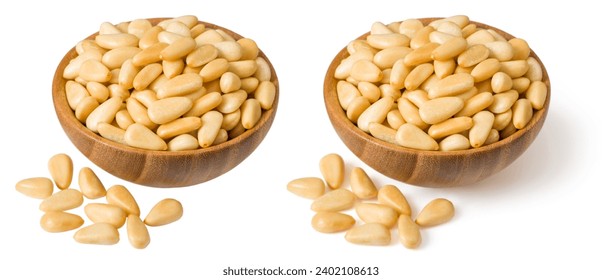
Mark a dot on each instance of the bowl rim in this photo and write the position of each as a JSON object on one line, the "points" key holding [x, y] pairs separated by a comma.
{"points": [[340, 117], [60, 103]]}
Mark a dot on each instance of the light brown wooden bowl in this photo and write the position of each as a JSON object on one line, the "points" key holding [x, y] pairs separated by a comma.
{"points": [[159, 168], [430, 168]]}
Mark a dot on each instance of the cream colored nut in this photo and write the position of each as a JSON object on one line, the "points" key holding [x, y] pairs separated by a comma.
{"points": [[112, 133], [105, 213], [391, 196], [421, 37], [387, 57], [95, 71], [232, 101], [535, 72], [138, 27], [377, 213], [140, 136], [332, 168], [178, 49], [60, 167], [399, 73], [166, 110], [75, 93], [346, 92], [250, 112], [369, 234], [177, 27], [336, 200], [379, 28], [210, 36], [201, 55], [119, 196], [172, 68], [164, 212], [501, 82], [409, 232], [72, 70], [330, 222], [366, 70], [127, 74], [36, 187], [116, 57], [180, 85], [440, 109], [229, 82], [438, 211], [417, 97], [514, 68], [91, 187], [230, 50], [139, 113], [480, 37], [390, 91], [169, 37], [356, 107], [410, 113], [395, 119], [377, 112], [444, 68], [244, 68], [451, 85], [507, 131], [503, 101], [485, 69], [307, 187], [113, 41], [383, 41], [493, 137], [138, 235], [501, 50], [249, 48], [522, 112], [482, 124], [520, 48], [469, 29], [204, 104], [343, 70], [221, 137], [418, 75], [211, 123], [147, 75], [250, 84], [231, 120], [476, 104], [521, 84], [537, 94], [421, 55], [214, 69], [97, 234], [85, 107], [178, 126], [450, 49], [370, 90], [183, 142], [150, 37], [502, 120], [468, 94], [410, 136], [449, 127], [473, 55], [60, 221], [409, 27], [382, 132], [361, 184], [454, 142]]}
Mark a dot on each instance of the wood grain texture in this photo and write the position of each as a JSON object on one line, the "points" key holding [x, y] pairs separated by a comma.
{"points": [[159, 168], [431, 168]]}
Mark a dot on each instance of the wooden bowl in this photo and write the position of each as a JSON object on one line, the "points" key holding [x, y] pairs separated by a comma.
{"points": [[430, 168], [159, 168]]}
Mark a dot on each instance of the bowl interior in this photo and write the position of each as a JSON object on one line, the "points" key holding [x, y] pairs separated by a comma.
{"points": [[159, 168]]}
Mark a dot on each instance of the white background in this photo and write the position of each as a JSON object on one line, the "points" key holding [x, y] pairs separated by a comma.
{"points": [[539, 218]]}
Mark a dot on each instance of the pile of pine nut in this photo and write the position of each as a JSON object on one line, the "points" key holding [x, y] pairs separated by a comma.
{"points": [[178, 85], [331, 198], [448, 85], [120, 208]]}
